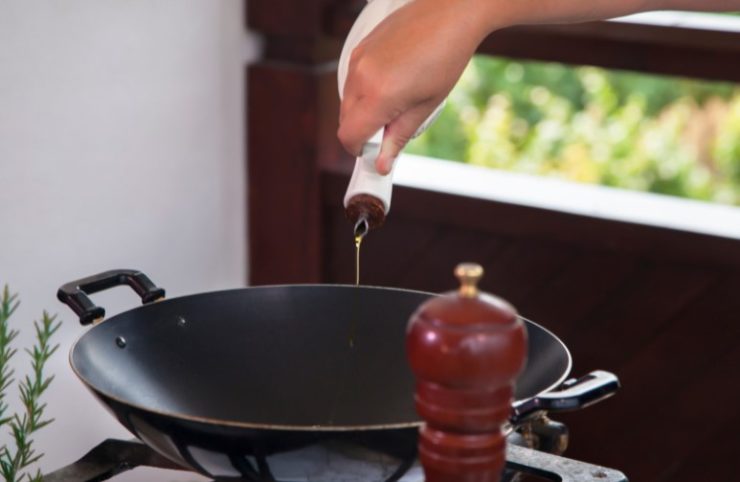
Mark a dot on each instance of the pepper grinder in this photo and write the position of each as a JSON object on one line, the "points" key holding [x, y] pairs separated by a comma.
{"points": [[466, 348], [368, 197]]}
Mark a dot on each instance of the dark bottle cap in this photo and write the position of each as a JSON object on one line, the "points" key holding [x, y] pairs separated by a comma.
{"points": [[367, 208]]}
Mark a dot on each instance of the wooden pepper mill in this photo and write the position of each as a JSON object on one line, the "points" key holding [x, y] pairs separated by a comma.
{"points": [[466, 348]]}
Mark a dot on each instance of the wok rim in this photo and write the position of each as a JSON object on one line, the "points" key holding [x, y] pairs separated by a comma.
{"points": [[286, 427]]}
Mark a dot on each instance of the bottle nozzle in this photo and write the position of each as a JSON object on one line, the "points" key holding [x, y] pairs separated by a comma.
{"points": [[361, 227], [365, 212]]}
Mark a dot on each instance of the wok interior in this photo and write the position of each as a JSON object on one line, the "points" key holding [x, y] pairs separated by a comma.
{"points": [[299, 356]]}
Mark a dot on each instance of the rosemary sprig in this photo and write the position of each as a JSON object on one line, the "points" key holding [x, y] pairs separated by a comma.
{"points": [[8, 304], [14, 460]]}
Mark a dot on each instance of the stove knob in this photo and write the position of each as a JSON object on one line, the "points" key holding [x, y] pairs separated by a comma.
{"points": [[466, 348]]}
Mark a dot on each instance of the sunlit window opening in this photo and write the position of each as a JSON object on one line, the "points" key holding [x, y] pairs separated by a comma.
{"points": [[651, 133]]}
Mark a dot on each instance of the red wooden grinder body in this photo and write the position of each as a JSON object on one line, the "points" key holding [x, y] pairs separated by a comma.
{"points": [[466, 349]]}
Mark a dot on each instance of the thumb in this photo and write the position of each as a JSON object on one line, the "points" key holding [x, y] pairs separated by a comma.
{"points": [[398, 133]]}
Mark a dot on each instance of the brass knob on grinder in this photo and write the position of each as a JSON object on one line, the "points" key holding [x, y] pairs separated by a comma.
{"points": [[466, 349], [469, 275]]}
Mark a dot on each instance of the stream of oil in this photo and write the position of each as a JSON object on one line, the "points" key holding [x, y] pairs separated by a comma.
{"points": [[358, 242], [349, 365], [353, 326]]}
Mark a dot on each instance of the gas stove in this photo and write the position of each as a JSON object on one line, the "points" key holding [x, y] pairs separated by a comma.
{"points": [[326, 463]]}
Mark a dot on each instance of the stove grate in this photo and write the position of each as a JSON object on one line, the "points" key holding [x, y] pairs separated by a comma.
{"points": [[113, 457]]}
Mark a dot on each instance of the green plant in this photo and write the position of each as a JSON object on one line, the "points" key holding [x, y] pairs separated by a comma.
{"points": [[661, 134], [16, 459]]}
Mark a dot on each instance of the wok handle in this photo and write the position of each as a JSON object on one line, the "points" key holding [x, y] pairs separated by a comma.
{"points": [[573, 394], [74, 294]]}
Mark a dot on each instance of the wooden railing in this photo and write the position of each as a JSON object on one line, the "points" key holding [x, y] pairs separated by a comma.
{"points": [[656, 304]]}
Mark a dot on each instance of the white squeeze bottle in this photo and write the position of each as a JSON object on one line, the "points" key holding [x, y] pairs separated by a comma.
{"points": [[368, 196]]}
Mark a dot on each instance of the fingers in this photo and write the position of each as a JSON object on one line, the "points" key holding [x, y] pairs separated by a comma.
{"points": [[360, 119], [367, 106], [372, 103], [399, 132]]}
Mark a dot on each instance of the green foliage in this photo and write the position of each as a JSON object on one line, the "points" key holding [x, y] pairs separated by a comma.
{"points": [[14, 461], [660, 134]]}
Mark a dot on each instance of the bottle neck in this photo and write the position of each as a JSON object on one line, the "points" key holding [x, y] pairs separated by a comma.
{"points": [[367, 208]]}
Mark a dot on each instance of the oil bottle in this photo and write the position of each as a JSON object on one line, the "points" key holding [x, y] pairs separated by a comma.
{"points": [[368, 197]]}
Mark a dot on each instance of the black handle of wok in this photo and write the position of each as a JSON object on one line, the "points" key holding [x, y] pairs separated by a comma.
{"points": [[573, 394], [74, 294]]}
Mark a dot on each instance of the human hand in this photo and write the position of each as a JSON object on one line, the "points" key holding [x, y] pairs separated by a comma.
{"points": [[403, 70], [409, 63]]}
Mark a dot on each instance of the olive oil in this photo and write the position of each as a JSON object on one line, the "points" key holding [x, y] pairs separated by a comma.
{"points": [[360, 232], [358, 243]]}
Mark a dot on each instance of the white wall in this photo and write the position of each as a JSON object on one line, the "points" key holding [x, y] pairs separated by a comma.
{"points": [[121, 145]]}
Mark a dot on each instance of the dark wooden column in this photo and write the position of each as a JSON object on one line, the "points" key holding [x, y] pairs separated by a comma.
{"points": [[292, 120]]}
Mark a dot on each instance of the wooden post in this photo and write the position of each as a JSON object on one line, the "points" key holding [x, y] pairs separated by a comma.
{"points": [[293, 109]]}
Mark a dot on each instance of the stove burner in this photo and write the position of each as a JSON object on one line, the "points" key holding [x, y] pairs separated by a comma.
{"points": [[113, 457]]}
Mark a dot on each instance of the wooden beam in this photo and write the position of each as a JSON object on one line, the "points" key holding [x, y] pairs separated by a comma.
{"points": [[305, 18], [293, 114], [292, 121]]}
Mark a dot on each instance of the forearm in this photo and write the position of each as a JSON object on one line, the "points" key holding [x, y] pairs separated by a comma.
{"points": [[407, 65], [698, 5], [495, 14], [567, 11]]}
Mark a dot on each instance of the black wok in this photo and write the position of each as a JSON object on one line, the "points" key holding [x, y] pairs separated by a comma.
{"points": [[220, 382]]}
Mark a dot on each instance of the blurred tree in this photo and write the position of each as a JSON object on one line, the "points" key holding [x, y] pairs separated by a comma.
{"points": [[660, 134]]}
